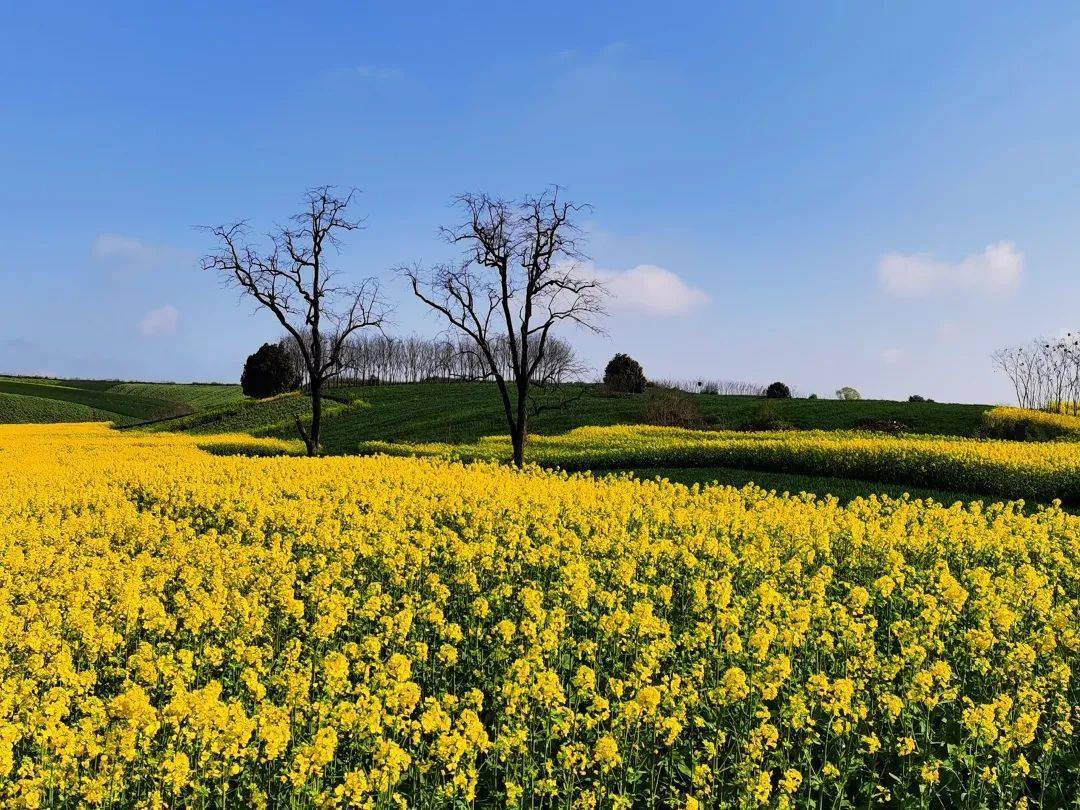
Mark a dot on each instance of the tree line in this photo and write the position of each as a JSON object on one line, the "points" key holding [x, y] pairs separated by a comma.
{"points": [[1045, 373], [379, 358]]}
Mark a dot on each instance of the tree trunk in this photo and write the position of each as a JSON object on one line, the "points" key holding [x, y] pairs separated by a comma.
{"points": [[521, 428], [316, 419], [517, 439]]}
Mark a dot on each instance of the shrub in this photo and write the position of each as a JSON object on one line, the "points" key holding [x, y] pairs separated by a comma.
{"points": [[624, 374], [812, 396], [710, 388], [269, 372], [893, 427], [672, 408], [916, 398], [766, 417], [848, 393], [778, 391]]}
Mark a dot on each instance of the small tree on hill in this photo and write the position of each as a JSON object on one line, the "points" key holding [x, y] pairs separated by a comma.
{"points": [[848, 393], [778, 390], [269, 372], [294, 279], [624, 374]]}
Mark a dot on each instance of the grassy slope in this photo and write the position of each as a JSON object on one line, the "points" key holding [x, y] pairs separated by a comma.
{"points": [[273, 416], [126, 403], [20, 409], [933, 418], [91, 385], [463, 412], [197, 396], [130, 407]]}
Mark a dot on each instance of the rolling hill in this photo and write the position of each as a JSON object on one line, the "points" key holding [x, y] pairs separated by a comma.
{"points": [[44, 399]]}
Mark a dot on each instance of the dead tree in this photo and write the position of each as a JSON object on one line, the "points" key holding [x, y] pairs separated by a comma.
{"points": [[294, 279], [520, 277]]}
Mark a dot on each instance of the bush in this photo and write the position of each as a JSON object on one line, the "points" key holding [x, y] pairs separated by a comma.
{"points": [[624, 374], [766, 417], [916, 398], [672, 408], [269, 372], [893, 427], [848, 393], [778, 391], [812, 396]]}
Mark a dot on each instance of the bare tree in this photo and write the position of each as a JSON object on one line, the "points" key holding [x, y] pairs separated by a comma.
{"points": [[1045, 374], [520, 276], [293, 279]]}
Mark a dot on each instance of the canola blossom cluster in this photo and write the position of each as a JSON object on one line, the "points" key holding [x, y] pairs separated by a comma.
{"points": [[184, 629], [1039, 471]]}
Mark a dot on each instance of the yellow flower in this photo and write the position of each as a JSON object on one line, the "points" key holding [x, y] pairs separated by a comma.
{"points": [[929, 771], [606, 753]]}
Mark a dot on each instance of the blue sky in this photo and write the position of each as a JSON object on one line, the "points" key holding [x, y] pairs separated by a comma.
{"points": [[867, 194]]}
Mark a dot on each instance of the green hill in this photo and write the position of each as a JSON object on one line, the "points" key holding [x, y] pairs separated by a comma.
{"points": [[20, 409], [463, 412], [438, 412], [197, 396], [45, 399]]}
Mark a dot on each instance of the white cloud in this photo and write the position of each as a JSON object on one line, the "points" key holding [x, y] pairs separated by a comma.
{"points": [[892, 355], [126, 254], [651, 290], [996, 270], [159, 322]]}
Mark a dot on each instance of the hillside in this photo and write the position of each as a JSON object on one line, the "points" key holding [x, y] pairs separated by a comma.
{"points": [[459, 414], [428, 412], [463, 412], [45, 399]]}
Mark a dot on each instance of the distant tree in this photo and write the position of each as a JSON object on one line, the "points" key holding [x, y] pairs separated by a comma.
{"points": [[847, 392], [294, 280], [812, 396], [624, 374], [519, 278], [778, 390], [269, 372], [916, 398]]}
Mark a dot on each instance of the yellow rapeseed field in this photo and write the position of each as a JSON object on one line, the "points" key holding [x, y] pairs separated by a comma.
{"points": [[181, 629], [1024, 423], [1039, 471]]}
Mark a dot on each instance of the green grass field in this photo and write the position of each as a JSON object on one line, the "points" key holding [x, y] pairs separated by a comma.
{"points": [[20, 409], [260, 417], [463, 412], [197, 396], [124, 403]]}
